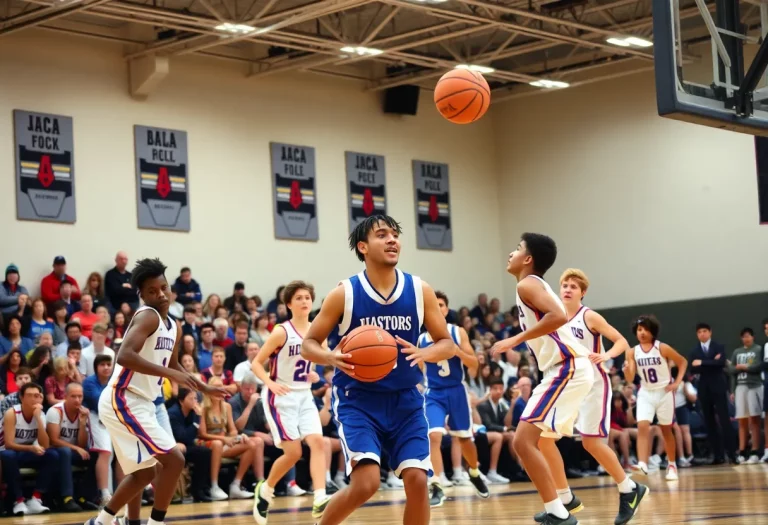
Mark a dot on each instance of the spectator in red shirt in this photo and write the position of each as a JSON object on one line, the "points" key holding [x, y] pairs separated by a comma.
{"points": [[221, 326], [217, 370], [49, 286], [86, 316]]}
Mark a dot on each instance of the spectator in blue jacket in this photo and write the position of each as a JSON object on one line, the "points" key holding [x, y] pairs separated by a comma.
{"points": [[12, 338], [187, 289], [185, 419], [11, 290]]}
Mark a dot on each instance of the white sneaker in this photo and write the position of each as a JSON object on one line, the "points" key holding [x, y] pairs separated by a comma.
{"points": [[495, 478], [340, 482], [655, 460], [764, 459], [640, 468], [444, 481], [35, 506], [461, 478], [217, 494], [672, 472], [683, 463], [740, 460], [238, 492], [394, 482], [295, 490], [20, 509], [753, 460]]}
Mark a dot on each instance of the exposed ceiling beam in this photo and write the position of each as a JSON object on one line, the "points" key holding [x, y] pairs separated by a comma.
{"points": [[45, 14]]}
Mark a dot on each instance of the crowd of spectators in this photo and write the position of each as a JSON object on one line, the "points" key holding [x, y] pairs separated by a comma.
{"points": [[57, 353]]}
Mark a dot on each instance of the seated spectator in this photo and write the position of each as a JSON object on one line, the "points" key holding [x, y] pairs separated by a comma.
{"points": [[97, 347], [189, 327], [252, 307], [217, 370], [105, 317], [187, 288], [205, 349], [76, 362], [27, 446], [56, 384], [86, 316], [478, 312], [12, 338], [74, 335], [621, 422], [278, 299], [236, 352], [259, 332], [189, 365], [117, 284], [184, 416], [120, 325], [40, 362], [524, 387], [242, 369], [65, 293], [188, 347], [238, 296], [127, 312], [8, 371], [23, 376], [94, 287], [221, 326], [218, 432], [494, 412], [246, 404], [101, 444], [283, 314], [67, 427], [38, 322], [10, 291], [51, 284], [60, 318], [176, 309], [212, 302]]}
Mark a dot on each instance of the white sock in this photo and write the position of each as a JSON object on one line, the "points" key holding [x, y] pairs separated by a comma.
{"points": [[327, 476], [474, 472], [267, 492], [105, 518], [236, 483], [566, 496], [627, 486], [556, 508], [319, 494], [672, 464], [434, 480], [492, 471], [106, 493]]}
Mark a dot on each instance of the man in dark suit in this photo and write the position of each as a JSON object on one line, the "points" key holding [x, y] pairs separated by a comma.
{"points": [[497, 420], [708, 360]]}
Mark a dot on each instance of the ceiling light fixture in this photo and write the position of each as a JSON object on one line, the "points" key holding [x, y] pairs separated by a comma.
{"points": [[235, 29], [361, 51], [629, 42], [477, 69], [549, 84]]}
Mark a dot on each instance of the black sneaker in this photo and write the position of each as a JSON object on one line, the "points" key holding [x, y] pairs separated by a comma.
{"points": [[331, 488], [550, 519], [260, 505], [87, 505], [480, 487], [628, 504], [574, 506], [436, 495], [70, 506]]}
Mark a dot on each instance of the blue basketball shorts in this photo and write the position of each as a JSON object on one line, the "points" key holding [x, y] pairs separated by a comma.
{"points": [[451, 403]]}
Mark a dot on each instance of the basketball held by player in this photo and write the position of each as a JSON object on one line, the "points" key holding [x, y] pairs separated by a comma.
{"points": [[388, 414], [656, 396]]}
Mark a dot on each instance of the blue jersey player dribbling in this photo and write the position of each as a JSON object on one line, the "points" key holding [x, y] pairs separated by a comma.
{"points": [[447, 397], [386, 414]]}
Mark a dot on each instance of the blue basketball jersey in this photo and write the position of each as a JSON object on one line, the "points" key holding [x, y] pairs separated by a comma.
{"points": [[448, 372], [401, 314]]}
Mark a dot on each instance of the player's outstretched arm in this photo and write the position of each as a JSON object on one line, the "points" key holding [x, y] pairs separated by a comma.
{"points": [[532, 292], [669, 353], [312, 349], [630, 366], [274, 342], [597, 323], [434, 322], [467, 354]]}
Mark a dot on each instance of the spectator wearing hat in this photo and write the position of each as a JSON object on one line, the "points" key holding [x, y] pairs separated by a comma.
{"points": [[11, 290], [51, 284], [117, 285], [238, 296], [187, 289]]}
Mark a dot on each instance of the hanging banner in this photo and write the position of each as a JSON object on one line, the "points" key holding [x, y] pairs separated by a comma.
{"points": [[433, 212], [366, 186], [293, 182], [45, 168], [162, 178]]}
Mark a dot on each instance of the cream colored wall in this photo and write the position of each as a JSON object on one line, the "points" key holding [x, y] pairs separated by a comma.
{"points": [[230, 121], [652, 209]]}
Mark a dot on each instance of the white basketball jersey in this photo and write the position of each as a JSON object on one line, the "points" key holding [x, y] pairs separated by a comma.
{"points": [[286, 366], [652, 368], [70, 429], [157, 349], [589, 339], [553, 348], [26, 431]]}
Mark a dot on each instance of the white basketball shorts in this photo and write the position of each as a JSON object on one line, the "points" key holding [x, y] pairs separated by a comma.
{"points": [[595, 412], [659, 403], [291, 417]]}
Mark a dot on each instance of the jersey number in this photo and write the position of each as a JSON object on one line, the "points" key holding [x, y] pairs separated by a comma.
{"points": [[302, 369], [445, 368], [165, 362], [650, 377]]}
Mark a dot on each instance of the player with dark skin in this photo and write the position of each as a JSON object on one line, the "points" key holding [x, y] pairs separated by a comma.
{"points": [[154, 292], [381, 250]]}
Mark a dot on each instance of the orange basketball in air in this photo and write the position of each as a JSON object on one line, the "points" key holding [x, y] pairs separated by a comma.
{"points": [[373, 350], [462, 96]]}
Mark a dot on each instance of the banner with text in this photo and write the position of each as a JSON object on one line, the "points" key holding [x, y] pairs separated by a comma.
{"points": [[45, 167], [162, 178], [366, 186], [433, 212], [293, 182]]}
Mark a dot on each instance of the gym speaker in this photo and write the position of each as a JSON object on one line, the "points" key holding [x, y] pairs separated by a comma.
{"points": [[402, 100]]}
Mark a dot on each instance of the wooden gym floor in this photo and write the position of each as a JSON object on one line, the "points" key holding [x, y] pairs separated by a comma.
{"points": [[704, 495]]}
